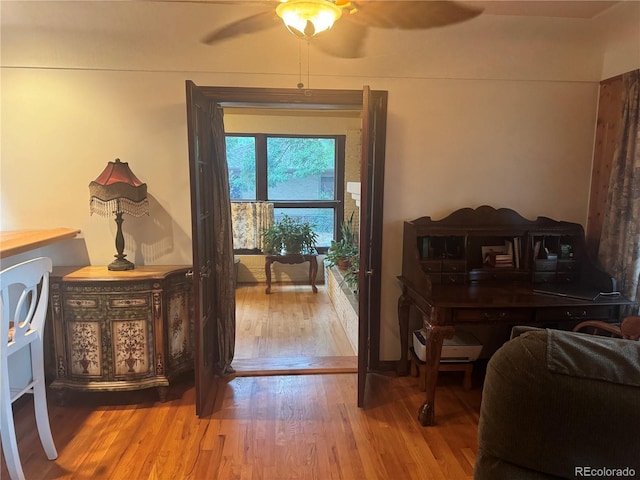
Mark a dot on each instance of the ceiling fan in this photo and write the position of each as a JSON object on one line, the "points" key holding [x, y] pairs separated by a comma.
{"points": [[349, 21]]}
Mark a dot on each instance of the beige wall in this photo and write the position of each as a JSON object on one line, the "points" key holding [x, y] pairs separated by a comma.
{"points": [[499, 111], [620, 39]]}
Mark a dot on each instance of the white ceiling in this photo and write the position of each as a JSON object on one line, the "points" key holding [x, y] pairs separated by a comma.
{"points": [[529, 8], [235, 9], [166, 35], [544, 8]]}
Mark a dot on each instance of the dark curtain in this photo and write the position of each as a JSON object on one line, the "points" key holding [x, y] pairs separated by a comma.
{"points": [[619, 252], [223, 251]]}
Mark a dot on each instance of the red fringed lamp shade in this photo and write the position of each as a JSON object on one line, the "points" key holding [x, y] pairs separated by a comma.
{"points": [[117, 189]]}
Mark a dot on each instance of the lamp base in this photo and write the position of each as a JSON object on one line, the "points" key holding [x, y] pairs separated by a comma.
{"points": [[120, 264]]}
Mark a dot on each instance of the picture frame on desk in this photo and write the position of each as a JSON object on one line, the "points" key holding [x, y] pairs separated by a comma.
{"points": [[493, 249]]}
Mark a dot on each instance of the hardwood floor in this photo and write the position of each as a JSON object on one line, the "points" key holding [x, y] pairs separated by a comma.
{"points": [[291, 330], [265, 427], [270, 428]]}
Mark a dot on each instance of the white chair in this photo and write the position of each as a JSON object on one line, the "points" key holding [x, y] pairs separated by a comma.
{"points": [[23, 307]]}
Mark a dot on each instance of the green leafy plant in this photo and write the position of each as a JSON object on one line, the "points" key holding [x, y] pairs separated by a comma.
{"points": [[351, 275], [344, 252], [290, 235]]}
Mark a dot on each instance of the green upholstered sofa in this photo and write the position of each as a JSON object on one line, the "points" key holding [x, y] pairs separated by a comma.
{"points": [[560, 404]]}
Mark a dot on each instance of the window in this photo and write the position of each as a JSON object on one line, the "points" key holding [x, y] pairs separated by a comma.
{"points": [[302, 175]]}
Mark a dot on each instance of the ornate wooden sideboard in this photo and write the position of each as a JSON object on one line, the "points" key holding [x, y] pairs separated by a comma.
{"points": [[487, 266], [120, 330]]}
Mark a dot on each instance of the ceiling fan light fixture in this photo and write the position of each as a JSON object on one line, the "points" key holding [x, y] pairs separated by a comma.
{"points": [[307, 18]]}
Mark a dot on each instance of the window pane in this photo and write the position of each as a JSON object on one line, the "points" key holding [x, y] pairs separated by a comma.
{"points": [[301, 168], [241, 159], [321, 217]]}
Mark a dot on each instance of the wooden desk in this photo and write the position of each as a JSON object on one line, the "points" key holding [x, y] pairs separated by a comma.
{"points": [[480, 266], [446, 306], [290, 260]]}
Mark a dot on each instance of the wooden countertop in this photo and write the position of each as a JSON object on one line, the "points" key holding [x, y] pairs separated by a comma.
{"points": [[13, 242]]}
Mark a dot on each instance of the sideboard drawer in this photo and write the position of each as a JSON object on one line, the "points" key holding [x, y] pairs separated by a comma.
{"points": [[129, 302], [492, 315], [595, 312], [78, 303]]}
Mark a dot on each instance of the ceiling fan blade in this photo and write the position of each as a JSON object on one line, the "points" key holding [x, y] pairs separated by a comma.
{"points": [[411, 14], [254, 23], [344, 40]]}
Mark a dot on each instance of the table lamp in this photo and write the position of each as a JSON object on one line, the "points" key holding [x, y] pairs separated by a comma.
{"points": [[116, 191]]}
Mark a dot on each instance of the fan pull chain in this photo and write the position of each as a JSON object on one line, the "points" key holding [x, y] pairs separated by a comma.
{"points": [[300, 84], [308, 62]]}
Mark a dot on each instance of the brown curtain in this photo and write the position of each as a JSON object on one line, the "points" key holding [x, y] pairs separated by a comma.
{"points": [[223, 252], [619, 252]]}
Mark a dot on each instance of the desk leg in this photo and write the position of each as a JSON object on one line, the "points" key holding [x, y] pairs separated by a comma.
{"points": [[435, 337], [313, 273], [267, 272], [404, 304]]}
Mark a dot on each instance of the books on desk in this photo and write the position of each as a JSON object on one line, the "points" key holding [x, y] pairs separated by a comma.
{"points": [[503, 256]]}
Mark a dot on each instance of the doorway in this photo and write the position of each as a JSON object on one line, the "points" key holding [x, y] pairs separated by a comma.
{"points": [[292, 330], [373, 105]]}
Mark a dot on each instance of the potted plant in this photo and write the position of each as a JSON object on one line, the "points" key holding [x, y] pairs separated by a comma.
{"points": [[290, 236], [351, 275], [345, 251]]}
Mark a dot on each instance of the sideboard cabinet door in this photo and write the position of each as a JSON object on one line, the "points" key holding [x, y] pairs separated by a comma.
{"points": [[179, 324]]}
